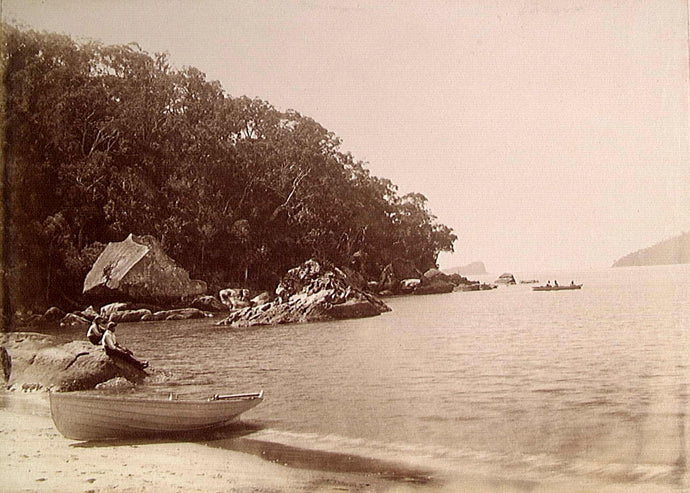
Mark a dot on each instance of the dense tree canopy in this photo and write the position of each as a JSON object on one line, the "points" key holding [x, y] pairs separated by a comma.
{"points": [[103, 141]]}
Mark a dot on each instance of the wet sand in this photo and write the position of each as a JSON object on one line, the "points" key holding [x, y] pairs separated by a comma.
{"points": [[35, 457]]}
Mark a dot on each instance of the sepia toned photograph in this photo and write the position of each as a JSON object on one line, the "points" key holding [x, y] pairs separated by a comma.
{"points": [[296, 246]]}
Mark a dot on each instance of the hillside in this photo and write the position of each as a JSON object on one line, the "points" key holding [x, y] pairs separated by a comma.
{"points": [[675, 250], [106, 141]]}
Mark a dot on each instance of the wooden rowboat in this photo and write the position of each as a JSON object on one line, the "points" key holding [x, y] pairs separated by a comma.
{"points": [[557, 288], [89, 416]]}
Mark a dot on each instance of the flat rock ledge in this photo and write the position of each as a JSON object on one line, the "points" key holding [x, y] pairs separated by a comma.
{"points": [[38, 362], [311, 292]]}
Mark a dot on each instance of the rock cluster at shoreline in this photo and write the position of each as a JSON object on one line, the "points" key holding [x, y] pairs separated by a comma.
{"points": [[340, 293], [402, 277], [309, 293]]}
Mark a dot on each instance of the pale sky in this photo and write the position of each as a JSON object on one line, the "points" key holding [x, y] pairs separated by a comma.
{"points": [[548, 134]]}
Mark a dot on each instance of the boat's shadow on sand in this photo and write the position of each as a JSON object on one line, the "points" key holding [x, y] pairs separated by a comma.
{"points": [[233, 431], [237, 437]]}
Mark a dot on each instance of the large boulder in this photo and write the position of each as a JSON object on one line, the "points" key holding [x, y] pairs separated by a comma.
{"points": [[435, 282], [434, 286], [235, 298], [408, 286], [110, 309], [75, 321], [208, 303], [138, 268], [53, 314], [308, 293], [394, 273], [506, 278], [38, 362], [261, 298], [138, 315]]}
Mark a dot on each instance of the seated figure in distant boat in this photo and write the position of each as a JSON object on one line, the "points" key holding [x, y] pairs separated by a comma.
{"points": [[115, 350], [548, 283], [555, 283]]}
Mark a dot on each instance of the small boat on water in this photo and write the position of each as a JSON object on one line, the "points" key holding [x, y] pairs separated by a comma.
{"points": [[557, 288], [89, 416]]}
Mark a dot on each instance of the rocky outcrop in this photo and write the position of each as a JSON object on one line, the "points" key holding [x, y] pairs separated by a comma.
{"points": [[308, 293], [127, 312], [110, 309], [179, 314], [208, 303], [234, 298], [462, 283], [117, 384], [261, 298], [75, 321], [395, 273], [38, 362], [53, 314], [434, 282], [506, 278], [138, 268], [124, 316]]}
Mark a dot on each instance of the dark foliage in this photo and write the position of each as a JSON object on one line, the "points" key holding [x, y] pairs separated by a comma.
{"points": [[101, 141]]}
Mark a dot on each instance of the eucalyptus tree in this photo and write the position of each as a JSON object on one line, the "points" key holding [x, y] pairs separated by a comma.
{"points": [[103, 141]]}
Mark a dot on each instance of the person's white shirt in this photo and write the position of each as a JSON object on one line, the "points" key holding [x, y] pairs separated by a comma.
{"points": [[109, 340]]}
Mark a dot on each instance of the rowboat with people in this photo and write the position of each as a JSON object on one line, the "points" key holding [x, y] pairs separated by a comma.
{"points": [[557, 287], [90, 416]]}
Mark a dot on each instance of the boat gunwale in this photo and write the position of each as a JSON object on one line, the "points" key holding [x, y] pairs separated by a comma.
{"points": [[86, 395]]}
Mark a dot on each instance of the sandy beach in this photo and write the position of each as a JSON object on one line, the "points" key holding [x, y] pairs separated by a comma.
{"points": [[35, 457]]}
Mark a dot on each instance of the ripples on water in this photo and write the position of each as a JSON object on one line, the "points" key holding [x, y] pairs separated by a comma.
{"points": [[509, 383]]}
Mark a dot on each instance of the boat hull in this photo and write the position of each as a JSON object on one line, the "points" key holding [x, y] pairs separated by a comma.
{"points": [[85, 416], [557, 288]]}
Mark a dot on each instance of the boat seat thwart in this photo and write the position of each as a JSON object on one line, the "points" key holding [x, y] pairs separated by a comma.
{"points": [[90, 416], [255, 395]]}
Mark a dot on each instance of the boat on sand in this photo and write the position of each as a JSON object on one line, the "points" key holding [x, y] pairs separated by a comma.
{"points": [[557, 288], [90, 416]]}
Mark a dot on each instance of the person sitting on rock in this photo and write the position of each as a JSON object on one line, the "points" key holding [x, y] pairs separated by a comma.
{"points": [[96, 331], [115, 350]]}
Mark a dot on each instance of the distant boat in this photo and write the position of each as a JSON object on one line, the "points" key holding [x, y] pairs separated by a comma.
{"points": [[89, 416], [557, 288]]}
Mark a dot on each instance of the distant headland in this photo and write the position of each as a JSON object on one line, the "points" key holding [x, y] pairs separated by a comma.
{"points": [[471, 269], [674, 250]]}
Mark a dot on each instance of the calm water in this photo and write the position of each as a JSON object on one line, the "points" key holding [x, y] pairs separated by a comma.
{"points": [[581, 387]]}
